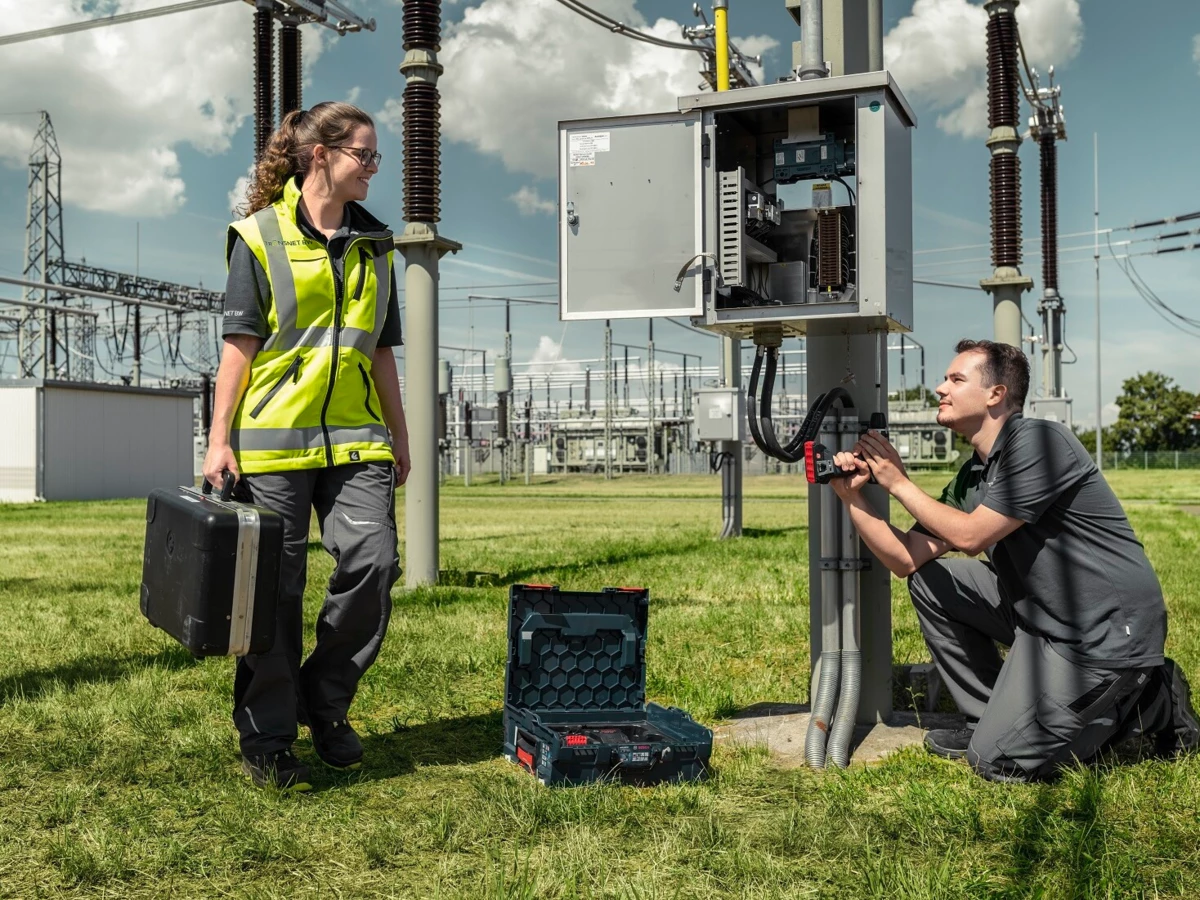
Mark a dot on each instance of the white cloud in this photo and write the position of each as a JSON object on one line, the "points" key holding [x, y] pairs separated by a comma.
{"points": [[125, 98], [938, 54], [548, 358], [1196, 51], [530, 202], [353, 95], [237, 196], [514, 68]]}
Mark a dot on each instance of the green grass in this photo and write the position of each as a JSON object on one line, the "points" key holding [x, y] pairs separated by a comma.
{"points": [[119, 772]]}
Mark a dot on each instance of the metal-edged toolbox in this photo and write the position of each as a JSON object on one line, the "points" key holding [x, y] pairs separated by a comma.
{"points": [[210, 573], [575, 706]]}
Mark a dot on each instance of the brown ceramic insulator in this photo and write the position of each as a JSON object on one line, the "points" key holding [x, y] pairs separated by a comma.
{"points": [[1003, 81], [290, 96], [264, 87], [422, 164], [1006, 210], [1049, 157], [422, 24]]}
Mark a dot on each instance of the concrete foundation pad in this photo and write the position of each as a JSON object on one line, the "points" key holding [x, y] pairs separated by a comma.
{"points": [[782, 729]]}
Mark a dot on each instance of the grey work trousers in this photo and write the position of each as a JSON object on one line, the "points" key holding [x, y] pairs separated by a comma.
{"points": [[355, 506], [1034, 711]]}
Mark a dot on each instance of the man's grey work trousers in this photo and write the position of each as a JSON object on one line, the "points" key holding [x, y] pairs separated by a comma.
{"points": [[1035, 710], [355, 507]]}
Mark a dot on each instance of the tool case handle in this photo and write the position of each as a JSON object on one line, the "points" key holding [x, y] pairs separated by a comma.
{"points": [[579, 625], [226, 488]]}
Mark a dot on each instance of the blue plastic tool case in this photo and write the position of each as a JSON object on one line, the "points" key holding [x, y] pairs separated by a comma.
{"points": [[575, 706]]}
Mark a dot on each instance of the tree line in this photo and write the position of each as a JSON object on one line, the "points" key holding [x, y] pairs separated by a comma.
{"points": [[1155, 414]]}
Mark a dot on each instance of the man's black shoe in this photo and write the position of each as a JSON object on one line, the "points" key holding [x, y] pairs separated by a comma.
{"points": [[1183, 734], [280, 769], [949, 743], [337, 744]]}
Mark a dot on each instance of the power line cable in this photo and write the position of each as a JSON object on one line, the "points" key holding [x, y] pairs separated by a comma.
{"points": [[621, 28], [103, 21], [508, 284], [1169, 220], [1162, 309]]}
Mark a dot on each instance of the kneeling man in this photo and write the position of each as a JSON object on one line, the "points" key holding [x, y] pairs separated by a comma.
{"points": [[1066, 585]]}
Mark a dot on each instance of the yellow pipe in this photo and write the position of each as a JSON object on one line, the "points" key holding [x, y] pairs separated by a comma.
{"points": [[720, 12]]}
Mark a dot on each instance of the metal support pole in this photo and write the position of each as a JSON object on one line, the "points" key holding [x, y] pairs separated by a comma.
{"points": [[137, 346], [874, 35], [610, 398], [833, 358], [731, 350], [721, 33], [731, 471], [651, 467], [1096, 258]]}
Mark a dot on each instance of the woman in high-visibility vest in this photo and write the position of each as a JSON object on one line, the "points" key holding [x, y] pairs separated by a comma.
{"points": [[307, 413]]}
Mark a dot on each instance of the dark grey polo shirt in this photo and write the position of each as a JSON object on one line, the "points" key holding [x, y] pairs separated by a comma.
{"points": [[1076, 571], [247, 290]]}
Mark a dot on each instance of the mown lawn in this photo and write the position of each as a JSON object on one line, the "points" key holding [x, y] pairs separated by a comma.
{"points": [[119, 773]]}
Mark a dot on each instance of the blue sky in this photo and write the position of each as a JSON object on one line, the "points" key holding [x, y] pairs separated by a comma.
{"points": [[1131, 79]]}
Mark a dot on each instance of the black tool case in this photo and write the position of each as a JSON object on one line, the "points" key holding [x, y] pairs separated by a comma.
{"points": [[575, 706], [210, 574]]}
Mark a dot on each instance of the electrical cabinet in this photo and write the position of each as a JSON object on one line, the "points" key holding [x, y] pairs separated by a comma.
{"points": [[720, 413], [754, 211]]}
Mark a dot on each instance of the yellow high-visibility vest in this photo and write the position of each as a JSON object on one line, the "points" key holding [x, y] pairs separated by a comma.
{"points": [[311, 400]]}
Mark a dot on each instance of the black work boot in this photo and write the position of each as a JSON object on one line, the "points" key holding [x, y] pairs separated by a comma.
{"points": [[280, 768], [1183, 734], [336, 743], [949, 743]]}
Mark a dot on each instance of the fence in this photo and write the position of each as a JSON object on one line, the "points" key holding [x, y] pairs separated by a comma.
{"points": [[1150, 459]]}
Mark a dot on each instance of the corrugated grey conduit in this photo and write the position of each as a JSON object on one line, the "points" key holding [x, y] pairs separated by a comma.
{"points": [[838, 750], [830, 666]]}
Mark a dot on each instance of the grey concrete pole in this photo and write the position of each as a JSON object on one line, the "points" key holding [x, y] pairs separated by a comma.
{"points": [[422, 247]]}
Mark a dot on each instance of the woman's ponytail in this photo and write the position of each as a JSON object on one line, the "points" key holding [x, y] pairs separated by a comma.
{"points": [[290, 149]]}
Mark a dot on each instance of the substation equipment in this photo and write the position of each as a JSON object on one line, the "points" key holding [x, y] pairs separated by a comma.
{"points": [[767, 213]]}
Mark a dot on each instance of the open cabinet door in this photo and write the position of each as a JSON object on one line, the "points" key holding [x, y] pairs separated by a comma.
{"points": [[629, 216]]}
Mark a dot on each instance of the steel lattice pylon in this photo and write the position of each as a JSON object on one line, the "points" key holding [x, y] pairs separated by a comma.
{"points": [[43, 337]]}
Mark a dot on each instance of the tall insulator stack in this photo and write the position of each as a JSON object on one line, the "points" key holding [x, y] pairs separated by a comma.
{"points": [[1048, 126], [290, 90], [264, 75], [1004, 95], [1004, 98], [422, 111]]}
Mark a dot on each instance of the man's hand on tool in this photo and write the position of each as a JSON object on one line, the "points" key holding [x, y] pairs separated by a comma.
{"points": [[848, 462], [882, 458]]}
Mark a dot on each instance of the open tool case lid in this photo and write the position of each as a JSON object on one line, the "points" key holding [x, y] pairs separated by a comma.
{"points": [[576, 651]]}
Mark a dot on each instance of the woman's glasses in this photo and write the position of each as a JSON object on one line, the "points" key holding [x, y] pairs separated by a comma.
{"points": [[366, 156]]}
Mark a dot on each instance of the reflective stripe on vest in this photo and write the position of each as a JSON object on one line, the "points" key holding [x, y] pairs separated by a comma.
{"points": [[310, 438]]}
